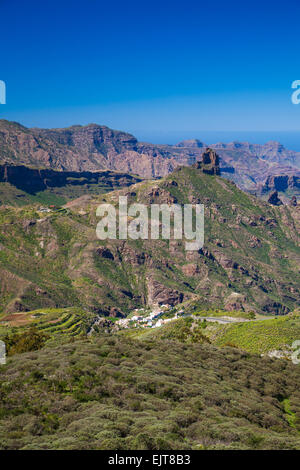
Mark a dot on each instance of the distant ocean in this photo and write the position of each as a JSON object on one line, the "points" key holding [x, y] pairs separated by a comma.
{"points": [[290, 140]]}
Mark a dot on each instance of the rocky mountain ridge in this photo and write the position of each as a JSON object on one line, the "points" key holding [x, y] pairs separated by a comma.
{"points": [[69, 183], [249, 261], [94, 147]]}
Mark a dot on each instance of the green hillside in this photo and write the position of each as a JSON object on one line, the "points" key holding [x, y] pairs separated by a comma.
{"points": [[74, 380], [255, 336], [59, 325], [261, 336], [249, 262]]}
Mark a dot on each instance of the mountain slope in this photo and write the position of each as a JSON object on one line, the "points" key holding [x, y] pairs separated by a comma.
{"points": [[83, 148], [250, 259]]}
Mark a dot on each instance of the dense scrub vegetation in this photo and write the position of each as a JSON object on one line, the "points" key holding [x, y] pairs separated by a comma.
{"points": [[31, 340], [114, 392]]}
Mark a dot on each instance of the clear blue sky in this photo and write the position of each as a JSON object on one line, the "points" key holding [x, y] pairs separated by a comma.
{"points": [[151, 67]]}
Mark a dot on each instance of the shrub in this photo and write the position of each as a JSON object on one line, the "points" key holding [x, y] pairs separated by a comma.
{"points": [[31, 340]]}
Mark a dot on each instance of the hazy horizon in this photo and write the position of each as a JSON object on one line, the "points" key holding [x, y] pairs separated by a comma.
{"points": [[289, 139]]}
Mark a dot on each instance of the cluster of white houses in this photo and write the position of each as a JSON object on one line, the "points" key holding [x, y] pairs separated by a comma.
{"points": [[151, 320]]}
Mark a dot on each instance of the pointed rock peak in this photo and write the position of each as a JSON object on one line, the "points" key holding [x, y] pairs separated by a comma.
{"points": [[210, 162], [210, 157]]}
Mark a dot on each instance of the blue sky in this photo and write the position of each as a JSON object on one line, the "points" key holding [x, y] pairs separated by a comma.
{"points": [[152, 68]]}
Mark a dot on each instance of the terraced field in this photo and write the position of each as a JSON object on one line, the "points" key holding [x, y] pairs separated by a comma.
{"points": [[56, 323]]}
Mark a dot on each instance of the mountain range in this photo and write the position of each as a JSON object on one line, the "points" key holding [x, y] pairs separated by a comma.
{"points": [[255, 168]]}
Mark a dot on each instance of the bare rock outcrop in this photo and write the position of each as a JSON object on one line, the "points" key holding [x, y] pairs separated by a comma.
{"points": [[274, 199], [159, 294], [235, 301], [210, 163]]}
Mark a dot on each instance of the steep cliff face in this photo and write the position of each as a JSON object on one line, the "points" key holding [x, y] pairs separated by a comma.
{"points": [[89, 140], [68, 184], [77, 148], [282, 183], [210, 162], [86, 148]]}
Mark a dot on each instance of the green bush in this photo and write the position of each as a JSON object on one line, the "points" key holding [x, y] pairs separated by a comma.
{"points": [[30, 340]]}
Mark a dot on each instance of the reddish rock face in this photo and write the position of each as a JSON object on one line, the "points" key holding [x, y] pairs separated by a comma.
{"points": [[210, 163], [209, 157], [161, 295], [190, 269]]}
